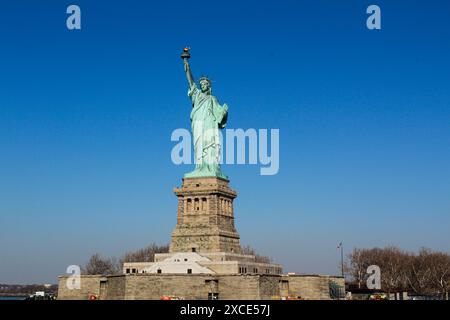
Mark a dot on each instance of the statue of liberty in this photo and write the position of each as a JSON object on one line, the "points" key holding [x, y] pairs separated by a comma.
{"points": [[207, 117]]}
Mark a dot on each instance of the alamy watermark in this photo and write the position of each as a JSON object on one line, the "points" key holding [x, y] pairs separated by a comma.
{"points": [[73, 22], [374, 20], [73, 282], [374, 279], [251, 146]]}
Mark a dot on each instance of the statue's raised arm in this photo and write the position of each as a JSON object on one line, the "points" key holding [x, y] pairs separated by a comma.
{"points": [[187, 68]]}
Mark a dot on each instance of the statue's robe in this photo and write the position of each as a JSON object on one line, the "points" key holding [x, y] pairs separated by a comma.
{"points": [[207, 117]]}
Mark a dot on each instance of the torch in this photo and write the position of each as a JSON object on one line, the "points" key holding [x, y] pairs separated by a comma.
{"points": [[186, 55]]}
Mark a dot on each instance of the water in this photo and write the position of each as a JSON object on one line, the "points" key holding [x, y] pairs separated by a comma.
{"points": [[12, 298]]}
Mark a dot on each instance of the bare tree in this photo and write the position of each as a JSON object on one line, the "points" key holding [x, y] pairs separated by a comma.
{"points": [[258, 258], [440, 272], [146, 254], [393, 264], [425, 273], [356, 265], [418, 273], [100, 265]]}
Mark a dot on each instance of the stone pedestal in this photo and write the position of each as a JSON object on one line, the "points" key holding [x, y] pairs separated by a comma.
{"points": [[205, 217]]}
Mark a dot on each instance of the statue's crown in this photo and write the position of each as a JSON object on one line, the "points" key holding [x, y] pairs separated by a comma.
{"points": [[205, 78]]}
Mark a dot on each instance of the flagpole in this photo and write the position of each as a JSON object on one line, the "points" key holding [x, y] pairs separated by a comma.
{"points": [[342, 259]]}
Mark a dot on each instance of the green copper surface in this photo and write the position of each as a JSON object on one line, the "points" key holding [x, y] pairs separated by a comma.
{"points": [[207, 118]]}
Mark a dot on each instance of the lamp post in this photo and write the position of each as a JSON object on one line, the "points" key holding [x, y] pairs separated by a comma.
{"points": [[340, 246]]}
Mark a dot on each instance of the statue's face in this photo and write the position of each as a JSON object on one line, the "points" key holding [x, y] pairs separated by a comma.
{"points": [[205, 86]]}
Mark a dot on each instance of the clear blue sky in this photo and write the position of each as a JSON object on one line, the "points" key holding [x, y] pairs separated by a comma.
{"points": [[86, 118]]}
